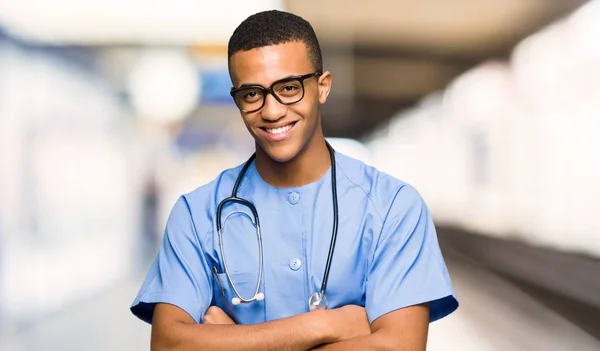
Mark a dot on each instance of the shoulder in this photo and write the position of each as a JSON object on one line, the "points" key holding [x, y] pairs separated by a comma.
{"points": [[205, 195], [387, 193], [200, 204]]}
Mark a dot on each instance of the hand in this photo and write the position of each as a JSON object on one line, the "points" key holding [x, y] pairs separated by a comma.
{"points": [[215, 315], [348, 322]]}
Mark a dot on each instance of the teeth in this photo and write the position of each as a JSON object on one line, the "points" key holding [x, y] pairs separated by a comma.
{"points": [[279, 130]]}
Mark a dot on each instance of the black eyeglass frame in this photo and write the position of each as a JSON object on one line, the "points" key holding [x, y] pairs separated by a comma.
{"points": [[269, 90]]}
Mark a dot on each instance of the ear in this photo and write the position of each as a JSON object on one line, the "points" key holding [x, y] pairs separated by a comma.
{"points": [[324, 86]]}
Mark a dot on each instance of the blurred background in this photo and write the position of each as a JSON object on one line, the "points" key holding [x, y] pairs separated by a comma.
{"points": [[109, 110]]}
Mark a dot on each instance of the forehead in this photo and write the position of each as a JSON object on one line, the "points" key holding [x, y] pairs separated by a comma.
{"points": [[267, 64]]}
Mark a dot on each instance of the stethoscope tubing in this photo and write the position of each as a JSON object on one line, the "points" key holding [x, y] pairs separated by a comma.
{"points": [[235, 199]]}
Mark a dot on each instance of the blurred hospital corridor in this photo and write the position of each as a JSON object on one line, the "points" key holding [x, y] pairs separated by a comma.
{"points": [[490, 109]]}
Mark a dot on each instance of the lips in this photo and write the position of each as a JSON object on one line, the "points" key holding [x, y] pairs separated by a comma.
{"points": [[280, 129], [279, 133]]}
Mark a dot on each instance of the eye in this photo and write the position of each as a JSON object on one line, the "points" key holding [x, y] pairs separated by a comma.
{"points": [[290, 88], [251, 95]]}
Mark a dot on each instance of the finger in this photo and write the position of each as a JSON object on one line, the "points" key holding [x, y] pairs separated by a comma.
{"points": [[223, 318], [228, 320], [215, 315], [214, 310]]}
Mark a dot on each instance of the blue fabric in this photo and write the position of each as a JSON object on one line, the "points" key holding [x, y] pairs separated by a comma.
{"points": [[387, 255]]}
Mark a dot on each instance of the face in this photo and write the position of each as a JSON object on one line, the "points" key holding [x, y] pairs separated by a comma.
{"points": [[282, 130]]}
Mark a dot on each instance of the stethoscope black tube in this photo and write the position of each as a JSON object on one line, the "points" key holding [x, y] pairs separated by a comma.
{"points": [[234, 198], [335, 220]]}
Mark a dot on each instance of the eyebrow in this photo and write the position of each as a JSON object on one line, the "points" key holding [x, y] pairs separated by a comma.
{"points": [[250, 85], [253, 85]]}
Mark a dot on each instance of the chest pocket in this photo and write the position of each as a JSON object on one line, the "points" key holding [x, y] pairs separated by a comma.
{"points": [[245, 283]]}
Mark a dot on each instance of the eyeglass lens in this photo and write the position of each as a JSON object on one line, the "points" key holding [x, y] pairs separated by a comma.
{"points": [[286, 92]]}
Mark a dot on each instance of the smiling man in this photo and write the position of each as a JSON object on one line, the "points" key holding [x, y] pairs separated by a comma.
{"points": [[311, 249]]}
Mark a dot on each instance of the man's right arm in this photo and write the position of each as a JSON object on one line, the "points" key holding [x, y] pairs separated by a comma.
{"points": [[174, 330]]}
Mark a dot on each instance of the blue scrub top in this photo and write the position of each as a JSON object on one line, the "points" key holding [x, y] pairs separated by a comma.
{"points": [[386, 257]]}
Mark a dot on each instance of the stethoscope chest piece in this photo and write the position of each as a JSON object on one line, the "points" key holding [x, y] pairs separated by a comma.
{"points": [[317, 301]]}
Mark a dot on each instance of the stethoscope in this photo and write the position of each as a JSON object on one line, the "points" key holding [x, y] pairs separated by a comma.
{"points": [[317, 300]]}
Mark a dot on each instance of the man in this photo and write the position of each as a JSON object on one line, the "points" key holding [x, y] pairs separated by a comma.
{"points": [[387, 280]]}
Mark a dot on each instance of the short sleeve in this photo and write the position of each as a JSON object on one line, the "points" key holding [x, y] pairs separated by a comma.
{"points": [[180, 274], [407, 266]]}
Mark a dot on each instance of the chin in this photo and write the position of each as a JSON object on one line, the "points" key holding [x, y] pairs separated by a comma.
{"points": [[283, 153]]}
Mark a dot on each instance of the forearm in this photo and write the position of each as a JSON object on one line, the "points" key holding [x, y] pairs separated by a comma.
{"points": [[373, 342], [298, 333], [403, 329]]}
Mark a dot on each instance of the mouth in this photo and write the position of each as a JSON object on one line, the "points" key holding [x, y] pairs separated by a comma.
{"points": [[279, 133], [280, 130]]}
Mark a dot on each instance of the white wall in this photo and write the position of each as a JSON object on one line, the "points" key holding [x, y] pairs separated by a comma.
{"points": [[69, 203]]}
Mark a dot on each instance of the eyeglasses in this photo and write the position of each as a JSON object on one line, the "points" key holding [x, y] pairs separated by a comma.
{"points": [[290, 90]]}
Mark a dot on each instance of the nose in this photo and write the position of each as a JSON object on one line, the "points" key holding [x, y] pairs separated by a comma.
{"points": [[273, 110]]}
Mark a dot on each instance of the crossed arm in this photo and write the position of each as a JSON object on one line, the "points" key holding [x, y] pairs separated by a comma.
{"points": [[345, 328], [404, 329]]}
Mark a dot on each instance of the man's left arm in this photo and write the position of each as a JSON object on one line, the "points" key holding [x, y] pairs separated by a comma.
{"points": [[408, 285], [403, 329]]}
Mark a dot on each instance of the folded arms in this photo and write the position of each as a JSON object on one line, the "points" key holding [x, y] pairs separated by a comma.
{"points": [[345, 328]]}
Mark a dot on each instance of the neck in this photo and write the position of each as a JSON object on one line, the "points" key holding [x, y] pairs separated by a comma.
{"points": [[307, 167]]}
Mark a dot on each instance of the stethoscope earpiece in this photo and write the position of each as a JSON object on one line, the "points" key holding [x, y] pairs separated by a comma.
{"points": [[258, 297]]}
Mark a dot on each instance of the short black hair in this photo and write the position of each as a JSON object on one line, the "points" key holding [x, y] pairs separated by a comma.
{"points": [[275, 27]]}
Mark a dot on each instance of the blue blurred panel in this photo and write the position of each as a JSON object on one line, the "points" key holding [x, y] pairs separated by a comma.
{"points": [[193, 138], [216, 85]]}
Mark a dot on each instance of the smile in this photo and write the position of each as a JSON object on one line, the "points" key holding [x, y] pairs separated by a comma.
{"points": [[280, 130]]}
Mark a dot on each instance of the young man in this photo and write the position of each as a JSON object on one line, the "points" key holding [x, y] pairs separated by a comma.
{"points": [[387, 277]]}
